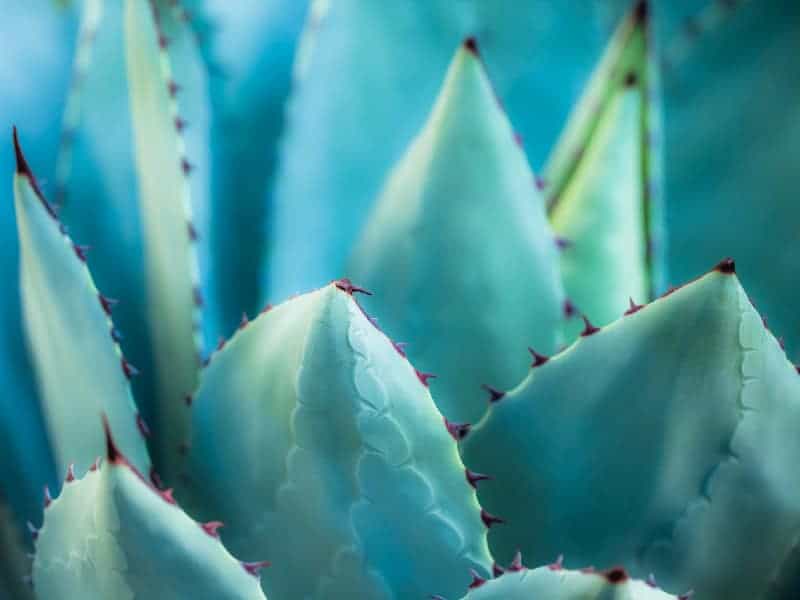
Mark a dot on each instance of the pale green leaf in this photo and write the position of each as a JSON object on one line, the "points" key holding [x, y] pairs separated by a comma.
{"points": [[162, 169], [80, 370], [602, 180], [666, 442], [112, 535], [330, 459], [458, 250]]}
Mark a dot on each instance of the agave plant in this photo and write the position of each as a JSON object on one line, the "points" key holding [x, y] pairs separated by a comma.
{"points": [[647, 436]]}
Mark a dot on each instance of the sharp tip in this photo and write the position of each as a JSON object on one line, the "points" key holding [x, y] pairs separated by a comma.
{"points": [[641, 11], [726, 266], [22, 164], [471, 45], [588, 328], [113, 454]]}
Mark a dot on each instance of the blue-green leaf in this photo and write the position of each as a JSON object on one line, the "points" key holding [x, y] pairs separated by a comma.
{"points": [[369, 73], [665, 442], [112, 535], [80, 370], [602, 180], [334, 464], [173, 293], [458, 250]]}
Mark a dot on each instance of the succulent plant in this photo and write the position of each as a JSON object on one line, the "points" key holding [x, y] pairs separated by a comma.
{"points": [[648, 434]]}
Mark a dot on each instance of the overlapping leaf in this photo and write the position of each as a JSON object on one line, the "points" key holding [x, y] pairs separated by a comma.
{"points": [[458, 250], [330, 459], [111, 535], [670, 459], [79, 367]]}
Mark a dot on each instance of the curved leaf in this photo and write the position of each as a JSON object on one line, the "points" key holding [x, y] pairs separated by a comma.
{"points": [[80, 369], [458, 250], [684, 441], [335, 463], [111, 535]]}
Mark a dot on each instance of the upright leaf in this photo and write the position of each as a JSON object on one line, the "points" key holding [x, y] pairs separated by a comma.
{"points": [[602, 180], [368, 74], [335, 463], [112, 535], [80, 370], [665, 442], [458, 250], [173, 295]]}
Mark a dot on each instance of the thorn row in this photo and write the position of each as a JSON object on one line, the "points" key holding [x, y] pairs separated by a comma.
{"points": [[473, 478], [489, 519], [538, 359], [495, 395]]}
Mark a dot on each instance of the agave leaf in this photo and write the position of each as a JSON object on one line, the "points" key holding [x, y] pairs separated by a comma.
{"points": [[112, 535], [14, 564], [554, 583], [355, 109], [335, 464], [458, 250], [97, 176], [600, 181], [173, 294], [684, 441], [80, 369]]}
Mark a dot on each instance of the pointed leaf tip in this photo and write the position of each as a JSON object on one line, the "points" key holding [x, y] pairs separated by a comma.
{"points": [[24, 169], [22, 164], [616, 575], [347, 286], [641, 11], [726, 266], [471, 45]]}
